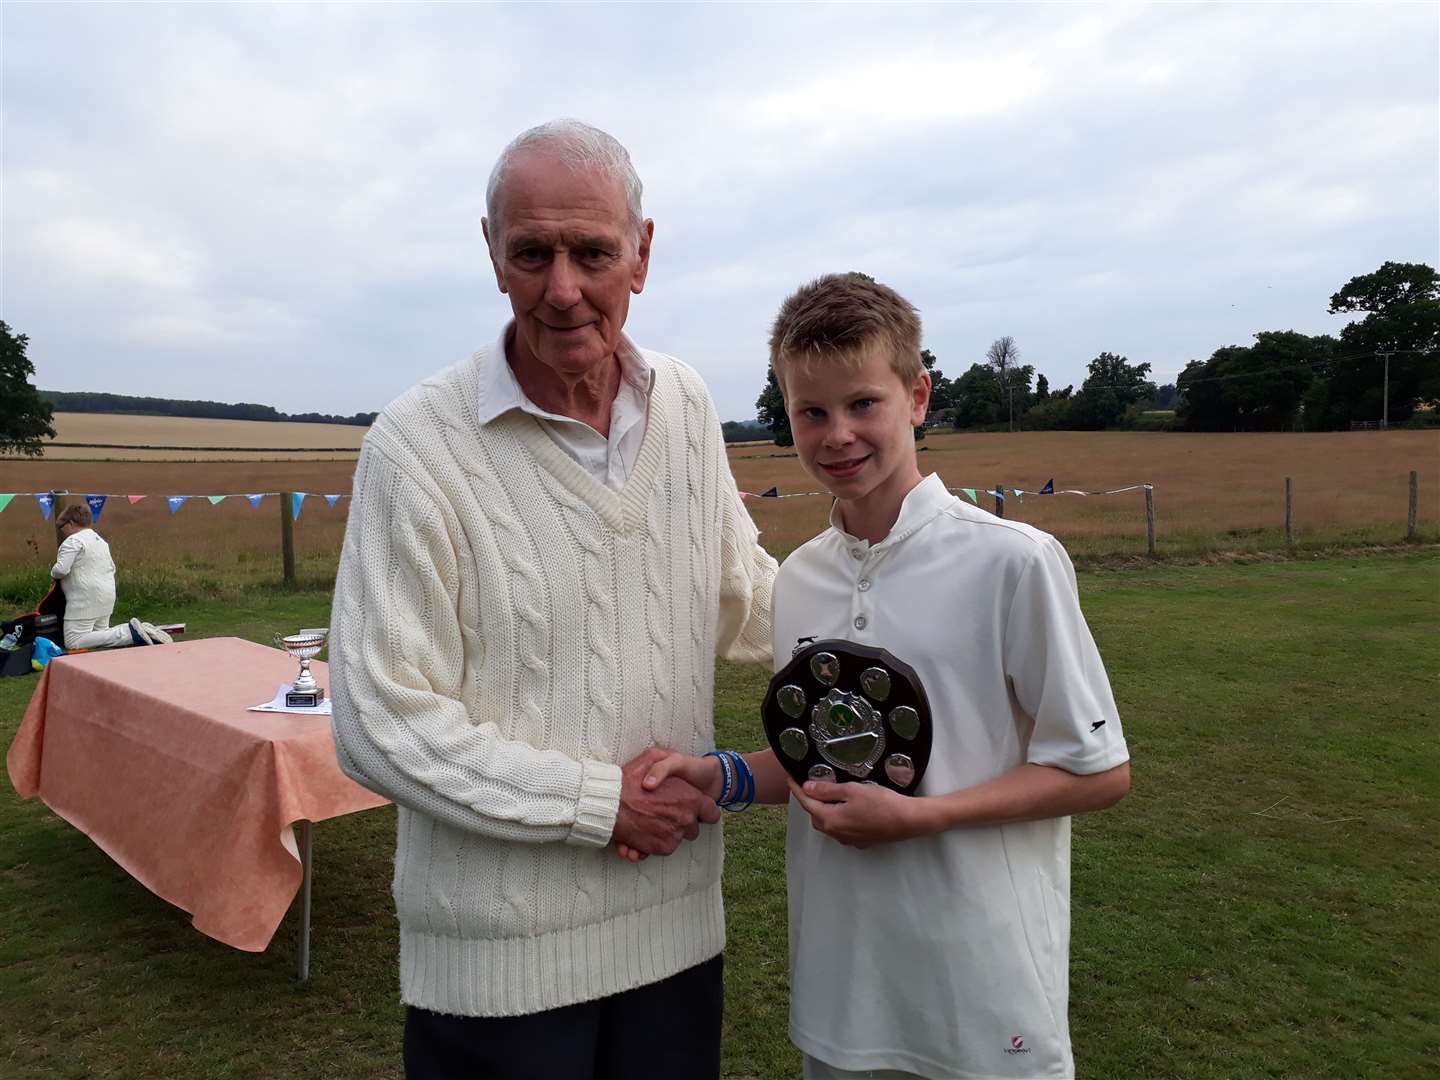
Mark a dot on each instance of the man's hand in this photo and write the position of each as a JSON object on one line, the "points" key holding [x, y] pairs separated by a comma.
{"points": [[861, 815], [654, 820]]}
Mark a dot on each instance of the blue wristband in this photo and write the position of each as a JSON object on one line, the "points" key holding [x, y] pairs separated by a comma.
{"points": [[727, 784], [745, 783]]}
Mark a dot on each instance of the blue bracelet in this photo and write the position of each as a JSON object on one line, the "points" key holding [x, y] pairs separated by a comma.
{"points": [[742, 798], [727, 786]]}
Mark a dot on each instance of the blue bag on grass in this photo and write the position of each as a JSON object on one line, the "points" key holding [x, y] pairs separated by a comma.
{"points": [[45, 650]]}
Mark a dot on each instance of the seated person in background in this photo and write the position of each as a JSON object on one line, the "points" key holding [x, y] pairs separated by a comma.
{"points": [[87, 576]]}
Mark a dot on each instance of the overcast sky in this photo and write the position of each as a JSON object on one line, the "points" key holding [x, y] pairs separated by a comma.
{"points": [[282, 204]]}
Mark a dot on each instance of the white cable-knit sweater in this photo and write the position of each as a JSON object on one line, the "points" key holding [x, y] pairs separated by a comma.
{"points": [[507, 633]]}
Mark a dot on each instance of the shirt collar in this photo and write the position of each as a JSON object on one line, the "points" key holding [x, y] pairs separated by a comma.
{"points": [[920, 506], [500, 391]]}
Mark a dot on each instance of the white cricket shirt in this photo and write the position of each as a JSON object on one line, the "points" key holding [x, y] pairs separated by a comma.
{"points": [[608, 460], [948, 955]]}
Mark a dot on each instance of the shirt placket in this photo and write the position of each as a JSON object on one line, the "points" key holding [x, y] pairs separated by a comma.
{"points": [[862, 558]]}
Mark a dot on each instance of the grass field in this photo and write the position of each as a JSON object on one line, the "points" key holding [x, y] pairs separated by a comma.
{"points": [[1213, 493], [1263, 904]]}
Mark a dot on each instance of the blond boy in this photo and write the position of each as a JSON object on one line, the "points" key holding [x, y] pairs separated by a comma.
{"points": [[929, 936]]}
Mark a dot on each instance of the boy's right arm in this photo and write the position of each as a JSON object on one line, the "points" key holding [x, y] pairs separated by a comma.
{"points": [[707, 774]]}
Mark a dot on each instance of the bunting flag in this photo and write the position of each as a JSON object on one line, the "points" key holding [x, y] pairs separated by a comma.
{"points": [[998, 493], [1049, 488], [4, 502], [215, 500], [255, 500], [772, 493], [1018, 494], [96, 504], [47, 503], [176, 501], [134, 498], [332, 500], [971, 493], [296, 500]]}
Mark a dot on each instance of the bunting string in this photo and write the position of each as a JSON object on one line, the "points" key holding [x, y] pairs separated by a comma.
{"points": [[96, 502], [972, 492]]}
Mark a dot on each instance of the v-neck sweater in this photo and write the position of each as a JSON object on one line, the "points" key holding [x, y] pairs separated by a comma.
{"points": [[507, 632]]}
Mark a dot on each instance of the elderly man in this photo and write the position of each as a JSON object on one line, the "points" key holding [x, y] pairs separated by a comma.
{"points": [[545, 553]]}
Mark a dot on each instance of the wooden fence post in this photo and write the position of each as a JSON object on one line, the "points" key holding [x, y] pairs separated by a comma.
{"points": [[1289, 515], [1149, 519], [999, 501], [287, 535], [1414, 505], [56, 505]]}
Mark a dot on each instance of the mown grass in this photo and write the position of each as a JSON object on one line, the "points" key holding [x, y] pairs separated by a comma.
{"points": [[1263, 904]]}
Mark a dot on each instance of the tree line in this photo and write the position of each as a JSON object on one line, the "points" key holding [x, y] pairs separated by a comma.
{"points": [[1285, 381], [87, 402], [27, 414]]}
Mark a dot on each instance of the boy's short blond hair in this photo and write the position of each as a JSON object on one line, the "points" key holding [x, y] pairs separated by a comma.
{"points": [[840, 317]]}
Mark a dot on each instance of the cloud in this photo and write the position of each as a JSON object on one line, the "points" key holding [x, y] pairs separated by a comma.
{"points": [[222, 201]]}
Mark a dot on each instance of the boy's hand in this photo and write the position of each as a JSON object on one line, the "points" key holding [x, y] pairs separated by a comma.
{"points": [[861, 815], [702, 773]]}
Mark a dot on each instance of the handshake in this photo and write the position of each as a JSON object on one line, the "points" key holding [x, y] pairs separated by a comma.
{"points": [[665, 796]]}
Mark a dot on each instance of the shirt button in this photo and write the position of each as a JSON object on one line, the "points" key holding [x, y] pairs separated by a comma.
{"points": [[857, 553], [860, 622], [863, 584]]}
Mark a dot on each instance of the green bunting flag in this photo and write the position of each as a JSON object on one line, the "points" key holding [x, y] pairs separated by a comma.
{"points": [[4, 502], [215, 500], [971, 493]]}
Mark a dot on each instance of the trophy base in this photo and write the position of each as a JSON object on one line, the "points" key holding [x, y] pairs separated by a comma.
{"points": [[304, 699]]}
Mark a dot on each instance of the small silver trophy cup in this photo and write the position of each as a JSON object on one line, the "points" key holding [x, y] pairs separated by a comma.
{"points": [[304, 693]]}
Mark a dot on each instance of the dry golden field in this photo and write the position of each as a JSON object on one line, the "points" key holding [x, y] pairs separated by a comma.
{"points": [[1206, 486], [1212, 492], [237, 438]]}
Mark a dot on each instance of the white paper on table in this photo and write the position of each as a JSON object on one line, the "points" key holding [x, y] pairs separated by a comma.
{"points": [[277, 704]]}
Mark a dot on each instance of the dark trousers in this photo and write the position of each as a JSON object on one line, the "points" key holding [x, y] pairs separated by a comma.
{"points": [[668, 1030]]}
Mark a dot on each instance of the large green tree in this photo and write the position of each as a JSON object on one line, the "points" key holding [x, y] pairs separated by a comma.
{"points": [[981, 399], [1258, 387], [942, 390], [1112, 385], [1003, 356], [770, 409], [24, 415], [1401, 306]]}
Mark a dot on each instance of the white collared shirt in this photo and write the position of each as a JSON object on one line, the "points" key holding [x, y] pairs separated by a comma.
{"points": [[608, 460], [948, 955]]}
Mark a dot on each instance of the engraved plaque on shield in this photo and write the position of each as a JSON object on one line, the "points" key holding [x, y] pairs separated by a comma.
{"points": [[849, 713]]}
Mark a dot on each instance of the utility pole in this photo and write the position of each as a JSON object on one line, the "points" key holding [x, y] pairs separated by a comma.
{"points": [[1385, 397]]}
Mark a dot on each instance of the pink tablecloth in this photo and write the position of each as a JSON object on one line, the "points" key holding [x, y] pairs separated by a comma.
{"points": [[152, 754]]}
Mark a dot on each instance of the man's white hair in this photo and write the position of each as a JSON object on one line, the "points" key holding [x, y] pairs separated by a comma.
{"points": [[581, 148]]}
